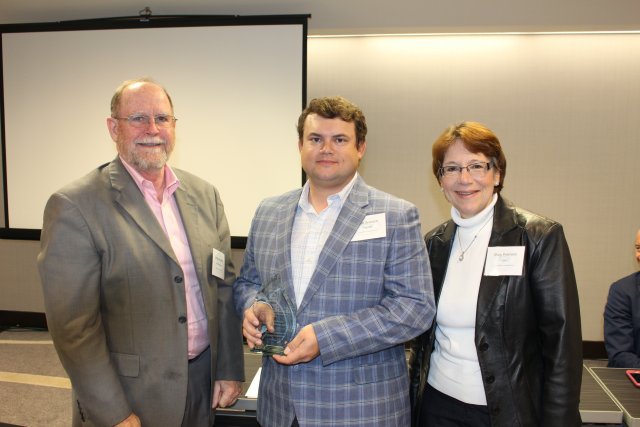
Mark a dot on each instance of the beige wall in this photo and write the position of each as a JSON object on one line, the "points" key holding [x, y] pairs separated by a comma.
{"points": [[19, 282], [565, 108]]}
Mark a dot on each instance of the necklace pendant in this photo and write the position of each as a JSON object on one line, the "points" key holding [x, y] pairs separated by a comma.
{"points": [[461, 257]]}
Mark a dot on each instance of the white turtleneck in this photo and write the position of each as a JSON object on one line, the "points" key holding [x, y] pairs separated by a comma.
{"points": [[454, 368]]}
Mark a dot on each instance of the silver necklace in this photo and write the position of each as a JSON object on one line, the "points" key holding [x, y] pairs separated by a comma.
{"points": [[463, 251]]}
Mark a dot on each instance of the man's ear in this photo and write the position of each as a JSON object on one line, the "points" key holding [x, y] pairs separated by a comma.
{"points": [[112, 125], [361, 149]]}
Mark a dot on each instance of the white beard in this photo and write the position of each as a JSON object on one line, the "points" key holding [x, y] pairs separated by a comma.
{"points": [[147, 159]]}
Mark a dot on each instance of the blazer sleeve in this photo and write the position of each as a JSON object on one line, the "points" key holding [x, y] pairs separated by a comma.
{"points": [[248, 283], [230, 363], [406, 307], [557, 308], [618, 328], [70, 271]]}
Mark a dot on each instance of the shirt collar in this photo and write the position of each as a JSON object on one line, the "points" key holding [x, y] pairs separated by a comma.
{"points": [[171, 181], [478, 218], [339, 197]]}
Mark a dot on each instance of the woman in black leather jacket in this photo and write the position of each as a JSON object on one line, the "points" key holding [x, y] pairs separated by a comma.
{"points": [[506, 346]]}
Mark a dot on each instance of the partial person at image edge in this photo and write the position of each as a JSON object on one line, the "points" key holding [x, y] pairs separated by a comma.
{"points": [[622, 319]]}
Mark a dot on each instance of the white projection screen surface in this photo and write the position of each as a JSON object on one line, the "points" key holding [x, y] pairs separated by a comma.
{"points": [[237, 89]]}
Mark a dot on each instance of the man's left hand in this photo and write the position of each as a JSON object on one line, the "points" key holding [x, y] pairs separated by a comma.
{"points": [[225, 393], [302, 348]]}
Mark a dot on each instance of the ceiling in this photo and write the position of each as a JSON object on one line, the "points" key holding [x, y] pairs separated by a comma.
{"points": [[337, 17]]}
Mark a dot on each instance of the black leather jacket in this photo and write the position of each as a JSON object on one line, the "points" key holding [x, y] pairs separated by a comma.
{"points": [[528, 336]]}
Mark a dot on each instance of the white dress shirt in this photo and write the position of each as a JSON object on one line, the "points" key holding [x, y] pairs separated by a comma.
{"points": [[310, 232]]}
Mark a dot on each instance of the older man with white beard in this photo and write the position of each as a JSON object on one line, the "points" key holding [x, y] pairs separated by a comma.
{"points": [[143, 325]]}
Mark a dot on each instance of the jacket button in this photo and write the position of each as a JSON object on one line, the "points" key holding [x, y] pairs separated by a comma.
{"points": [[177, 279], [182, 319], [483, 347], [490, 379]]}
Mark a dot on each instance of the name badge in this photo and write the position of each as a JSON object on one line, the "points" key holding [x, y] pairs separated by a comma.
{"points": [[504, 261], [372, 227], [217, 264]]}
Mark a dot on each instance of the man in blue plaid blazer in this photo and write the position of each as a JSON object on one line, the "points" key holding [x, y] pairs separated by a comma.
{"points": [[353, 260]]}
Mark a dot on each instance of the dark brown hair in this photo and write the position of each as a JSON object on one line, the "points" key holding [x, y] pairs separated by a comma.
{"points": [[332, 107]]}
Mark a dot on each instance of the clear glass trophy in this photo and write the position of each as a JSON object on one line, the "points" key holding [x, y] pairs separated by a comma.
{"points": [[285, 311]]}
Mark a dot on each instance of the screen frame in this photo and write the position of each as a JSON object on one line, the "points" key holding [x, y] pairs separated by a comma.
{"points": [[135, 22]]}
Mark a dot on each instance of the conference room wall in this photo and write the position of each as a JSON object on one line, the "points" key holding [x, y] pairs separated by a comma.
{"points": [[564, 106]]}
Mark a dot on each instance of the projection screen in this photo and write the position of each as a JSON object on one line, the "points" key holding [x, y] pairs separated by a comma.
{"points": [[238, 85]]}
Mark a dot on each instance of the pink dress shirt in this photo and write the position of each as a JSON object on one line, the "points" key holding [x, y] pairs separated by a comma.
{"points": [[168, 215]]}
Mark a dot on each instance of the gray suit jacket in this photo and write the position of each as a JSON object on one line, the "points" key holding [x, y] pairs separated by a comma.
{"points": [[115, 300], [365, 299]]}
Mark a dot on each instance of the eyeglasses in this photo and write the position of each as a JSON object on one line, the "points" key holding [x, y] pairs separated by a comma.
{"points": [[476, 170], [142, 120]]}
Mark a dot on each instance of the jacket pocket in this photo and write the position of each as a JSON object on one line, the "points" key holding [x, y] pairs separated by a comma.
{"points": [[127, 365], [379, 372]]}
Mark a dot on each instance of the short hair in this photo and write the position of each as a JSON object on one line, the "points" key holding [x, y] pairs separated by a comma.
{"points": [[332, 107], [115, 99], [476, 138]]}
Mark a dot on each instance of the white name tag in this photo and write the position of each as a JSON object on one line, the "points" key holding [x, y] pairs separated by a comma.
{"points": [[372, 227], [217, 264], [504, 261]]}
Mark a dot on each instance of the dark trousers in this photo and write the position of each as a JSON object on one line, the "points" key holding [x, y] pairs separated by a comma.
{"points": [[197, 411], [441, 410]]}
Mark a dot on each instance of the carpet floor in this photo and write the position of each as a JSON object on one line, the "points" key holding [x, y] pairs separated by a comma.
{"points": [[34, 389]]}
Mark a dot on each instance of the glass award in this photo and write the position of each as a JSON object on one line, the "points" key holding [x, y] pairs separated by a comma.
{"points": [[284, 324]]}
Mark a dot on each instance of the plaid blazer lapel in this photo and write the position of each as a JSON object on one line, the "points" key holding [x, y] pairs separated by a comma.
{"points": [[286, 214]]}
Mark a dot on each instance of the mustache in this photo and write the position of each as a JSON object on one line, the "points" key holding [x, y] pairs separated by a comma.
{"points": [[150, 141]]}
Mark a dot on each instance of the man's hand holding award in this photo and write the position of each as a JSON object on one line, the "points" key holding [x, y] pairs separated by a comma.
{"points": [[276, 312]]}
